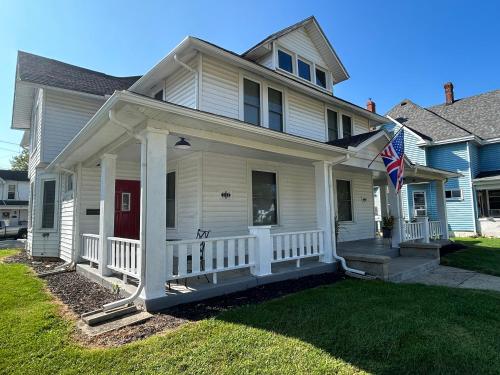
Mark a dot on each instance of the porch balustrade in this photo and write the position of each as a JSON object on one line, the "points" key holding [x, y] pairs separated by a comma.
{"points": [[435, 229], [90, 247], [124, 256], [413, 231], [297, 245], [422, 230]]}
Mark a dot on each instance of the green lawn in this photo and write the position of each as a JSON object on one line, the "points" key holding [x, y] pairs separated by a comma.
{"points": [[347, 327], [482, 255]]}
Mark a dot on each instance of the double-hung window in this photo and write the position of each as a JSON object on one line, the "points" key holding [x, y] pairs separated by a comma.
{"points": [[453, 194], [344, 200], [171, 200], [419, 203], [11, 193], [48, 204], [251, 102], [346, 126], [275, 105], [285, 61], [321, 78], [264, 198], [304, 69], [333, 124]]}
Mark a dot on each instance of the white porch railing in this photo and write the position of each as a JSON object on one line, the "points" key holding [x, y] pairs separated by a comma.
{"points": [[124, 256], [413, 231], [297, 245], [435, 229], [90, 247], [188, 258]]}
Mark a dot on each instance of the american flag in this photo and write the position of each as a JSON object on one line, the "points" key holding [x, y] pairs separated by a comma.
{"points": [[393, 157]]}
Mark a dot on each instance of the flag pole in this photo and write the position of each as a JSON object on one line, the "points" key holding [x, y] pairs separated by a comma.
{"points": [[395, 135]]}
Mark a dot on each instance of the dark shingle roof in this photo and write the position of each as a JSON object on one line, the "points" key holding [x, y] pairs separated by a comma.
{"points": [[479, 114], [476, 115], [13, 203], [7, 174], [43, 71], [353, 141], [426, 122]]}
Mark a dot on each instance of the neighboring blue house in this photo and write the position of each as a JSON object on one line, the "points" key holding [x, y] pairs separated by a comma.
{"points": [[462, 136]]}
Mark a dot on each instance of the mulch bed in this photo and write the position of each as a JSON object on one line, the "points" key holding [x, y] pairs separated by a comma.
{"points": [[81, 295], [451, 248]]}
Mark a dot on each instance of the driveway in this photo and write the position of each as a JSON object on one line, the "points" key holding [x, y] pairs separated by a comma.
{"points": [[12, 244], [458, 278]]}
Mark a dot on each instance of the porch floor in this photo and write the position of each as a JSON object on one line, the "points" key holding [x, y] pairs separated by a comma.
{"points": [[372, 246]]}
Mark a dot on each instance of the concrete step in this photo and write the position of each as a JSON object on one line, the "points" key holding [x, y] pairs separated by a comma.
{"points": [[112, 325], [96, 317], [405, 268]]}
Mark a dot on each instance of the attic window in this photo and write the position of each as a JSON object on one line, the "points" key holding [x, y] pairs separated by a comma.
{"points": [[304, 69], [285, 61], [320, 78]]}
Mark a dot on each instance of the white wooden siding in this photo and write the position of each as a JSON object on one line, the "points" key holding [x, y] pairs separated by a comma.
{"points": [[66, 230], [298, 41], [64, 116], [360, 125], [306, 117], [35, 158], [219, 88], [363, 224], [267, 60], [180, 87]]}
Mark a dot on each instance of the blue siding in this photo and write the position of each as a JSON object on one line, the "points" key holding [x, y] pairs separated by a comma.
{"points": [[415, 153], [430, 197], [455, 157], [474, 159], [489, 157]]}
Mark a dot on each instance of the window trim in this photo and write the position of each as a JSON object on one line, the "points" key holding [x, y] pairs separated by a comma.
{"points": [[268, 169], [56, 204], [173, 170], [339, 126], [317, 67], [342, 121], [8, 191], [353, 221], [452, 198], [283, 106], [425, 202], [311, 66], [242, 98], [292, 55]]}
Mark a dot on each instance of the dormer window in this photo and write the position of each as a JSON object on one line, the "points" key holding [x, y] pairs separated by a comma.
{"points": [[285, 61], [304, 69], [321, 78], [346, 126]]}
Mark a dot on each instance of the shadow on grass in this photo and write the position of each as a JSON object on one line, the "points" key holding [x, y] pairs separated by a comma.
{"points": [[388, 328]]}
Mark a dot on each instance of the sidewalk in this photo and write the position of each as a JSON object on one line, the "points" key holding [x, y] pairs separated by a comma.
{"points": [[458, 278]]}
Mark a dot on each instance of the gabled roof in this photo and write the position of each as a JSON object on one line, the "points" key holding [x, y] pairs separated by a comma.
{"points": [[9, 175], [478, 114], [426, 123], [318, 37], [355, 140], [49, 72]]}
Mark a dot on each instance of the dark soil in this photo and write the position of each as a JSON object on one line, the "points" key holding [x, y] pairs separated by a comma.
{"points": [[81, 295]]}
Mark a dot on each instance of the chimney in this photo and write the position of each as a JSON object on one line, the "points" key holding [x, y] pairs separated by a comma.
{"points": [[448, 91], [370, 105]]}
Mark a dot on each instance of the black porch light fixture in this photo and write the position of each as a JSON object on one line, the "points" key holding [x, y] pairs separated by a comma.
{"points": [[182, 144]]}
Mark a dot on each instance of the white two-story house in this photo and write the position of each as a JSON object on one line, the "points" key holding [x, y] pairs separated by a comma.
{"points": [[253, 150], [14, 194]]}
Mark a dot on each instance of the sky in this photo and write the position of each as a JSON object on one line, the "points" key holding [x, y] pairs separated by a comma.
{"points": [[392, 50]]}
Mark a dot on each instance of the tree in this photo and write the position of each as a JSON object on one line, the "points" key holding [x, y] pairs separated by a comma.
{"points": [[20, 162]]}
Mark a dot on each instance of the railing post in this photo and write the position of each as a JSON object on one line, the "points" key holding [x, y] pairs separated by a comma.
{"points": [[425, 228], [263, 250]]}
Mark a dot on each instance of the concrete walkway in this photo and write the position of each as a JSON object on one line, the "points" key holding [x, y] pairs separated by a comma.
{"points": [[457, 278]]}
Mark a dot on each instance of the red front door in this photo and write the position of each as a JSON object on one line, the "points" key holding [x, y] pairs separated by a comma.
{"points": [[127, 208]]}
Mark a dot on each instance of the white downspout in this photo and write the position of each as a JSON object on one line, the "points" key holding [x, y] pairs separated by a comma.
{"points": [[133, 296], [195, 74], [335, 255]]}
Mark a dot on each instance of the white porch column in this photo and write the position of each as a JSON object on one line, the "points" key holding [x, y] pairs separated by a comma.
{"points": [[154, 211], [425, 228], [395, 210], [441, 208], [263, 250], [323, 208], [107, 210]]}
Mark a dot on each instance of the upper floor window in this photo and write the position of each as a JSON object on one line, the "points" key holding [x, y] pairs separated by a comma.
{"points": [[159, 95], [346, 126], [304, 69], [251, 102], [285, 61], [321, 78], [453, 194], [333, 125], [275, 98], [11, 193]]}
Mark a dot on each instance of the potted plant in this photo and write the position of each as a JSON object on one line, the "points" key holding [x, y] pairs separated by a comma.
{"points": [[387, 225]]}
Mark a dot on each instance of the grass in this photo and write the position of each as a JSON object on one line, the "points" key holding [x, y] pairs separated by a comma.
{"points": [[482, 255], [348, 327], [7, 253]]}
